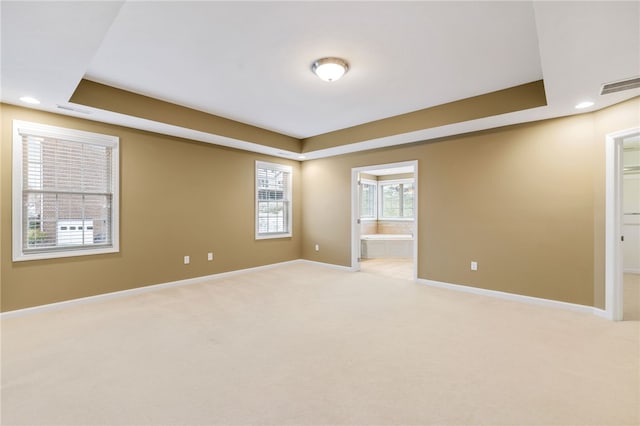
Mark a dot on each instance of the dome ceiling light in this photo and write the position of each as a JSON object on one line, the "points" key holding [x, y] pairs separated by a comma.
{"points": [[330, 69]]}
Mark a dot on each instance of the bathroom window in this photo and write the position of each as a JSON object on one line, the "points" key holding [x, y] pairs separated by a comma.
{"points": [[368, 199], [396, 200]]}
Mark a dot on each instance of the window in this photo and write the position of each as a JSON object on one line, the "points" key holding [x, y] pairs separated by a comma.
{"points": [[273, 200], [65, 192], [368, 199], [396, 199]]}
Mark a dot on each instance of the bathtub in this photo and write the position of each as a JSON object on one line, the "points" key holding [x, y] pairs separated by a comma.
{"points": [[373, 246]]}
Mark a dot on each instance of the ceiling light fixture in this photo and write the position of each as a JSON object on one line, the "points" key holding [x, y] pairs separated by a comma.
{"points": [[585, 104], [330, 69], [29, 100]]}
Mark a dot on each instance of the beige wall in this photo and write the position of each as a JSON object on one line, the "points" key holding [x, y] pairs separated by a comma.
{"points": [[518, 98], [109, 98], [526, 202], [177, 198]]}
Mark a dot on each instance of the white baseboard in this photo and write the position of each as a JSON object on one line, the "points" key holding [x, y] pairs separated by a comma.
{"points": [[189, 281], [138, 290], [602, 313], [516, 297]]}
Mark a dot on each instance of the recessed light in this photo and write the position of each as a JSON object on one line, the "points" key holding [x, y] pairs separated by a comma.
{"points": [[29, 100], [585, 104], [330, 69]]}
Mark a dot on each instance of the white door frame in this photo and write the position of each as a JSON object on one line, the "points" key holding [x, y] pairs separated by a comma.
{"points": [[355, 211], [613, 223]]}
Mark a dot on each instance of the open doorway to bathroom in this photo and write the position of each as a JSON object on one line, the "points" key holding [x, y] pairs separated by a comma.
{"points": [[622, 224], [631, 226], [384, 219]]}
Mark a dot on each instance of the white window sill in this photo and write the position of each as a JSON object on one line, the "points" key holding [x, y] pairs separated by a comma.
{"points": [[272, 236], [21, 257]]}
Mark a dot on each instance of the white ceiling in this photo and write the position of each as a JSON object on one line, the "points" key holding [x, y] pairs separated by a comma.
{"points": [[250, 61]]}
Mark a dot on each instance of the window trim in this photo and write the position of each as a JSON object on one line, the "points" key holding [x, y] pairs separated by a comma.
{"points": [[381, 183], [289, 170], [43, 130]]}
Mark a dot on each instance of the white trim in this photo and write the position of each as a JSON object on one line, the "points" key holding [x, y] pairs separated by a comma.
{"points": [[600, 313], [613, 223], [355, 210], [355, 218], [55, 132], [631, 271], [139, 290], [514, 297]]}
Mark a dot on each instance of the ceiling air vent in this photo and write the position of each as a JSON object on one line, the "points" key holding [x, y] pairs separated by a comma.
{"points": [[619, 86], [73, 109]]}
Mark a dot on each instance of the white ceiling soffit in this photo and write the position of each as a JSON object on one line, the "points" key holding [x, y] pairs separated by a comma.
{"points": [[47, 47], [390, 171], [250, 61]]}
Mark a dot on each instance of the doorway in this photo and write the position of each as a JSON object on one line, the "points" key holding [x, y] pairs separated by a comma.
{"points": [[622, 224], [384, 200]]}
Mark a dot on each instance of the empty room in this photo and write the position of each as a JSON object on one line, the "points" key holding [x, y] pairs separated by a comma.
{"points": [[320, 213]]}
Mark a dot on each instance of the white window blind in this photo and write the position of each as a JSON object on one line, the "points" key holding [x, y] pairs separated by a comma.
{"points": [[65, 192], [273, 200]]}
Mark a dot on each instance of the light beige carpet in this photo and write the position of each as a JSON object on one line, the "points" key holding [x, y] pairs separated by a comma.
{"points": [[303, 344], [631, 298], [389, 267]]}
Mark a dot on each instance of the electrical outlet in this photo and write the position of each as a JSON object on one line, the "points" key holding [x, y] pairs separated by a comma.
{"points": [[474, 266], [210, 256], [187, 260], [317, 247]]}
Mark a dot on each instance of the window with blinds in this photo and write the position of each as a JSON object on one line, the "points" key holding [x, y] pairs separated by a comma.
{"points": [[65, 194], [273, 200]]}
